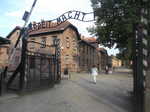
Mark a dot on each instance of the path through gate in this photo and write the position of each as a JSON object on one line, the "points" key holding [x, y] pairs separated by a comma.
{"points": [[38, 68], [42, 68]]}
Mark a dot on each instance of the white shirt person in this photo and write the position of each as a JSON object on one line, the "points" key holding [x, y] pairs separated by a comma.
{"points": [[94, 73]]}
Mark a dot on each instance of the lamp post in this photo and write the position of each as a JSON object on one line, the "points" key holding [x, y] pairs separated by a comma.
{"points": [[141, 54]]}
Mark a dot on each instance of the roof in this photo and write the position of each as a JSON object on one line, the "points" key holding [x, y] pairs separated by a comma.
{"points": [[16, 28], [4, 40], [87, 43], [89, 39], [103, 50], [58, 28]]}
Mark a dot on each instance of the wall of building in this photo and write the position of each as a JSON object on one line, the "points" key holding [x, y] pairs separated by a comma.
{"points": [[69, 50], [89, 56], [75, 55], [103, 60], [115, 62], [68, 44], [7, 50], [147, 91], [4, 49], [14, 56]]}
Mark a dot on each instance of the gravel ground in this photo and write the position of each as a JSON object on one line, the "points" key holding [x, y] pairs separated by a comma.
{"points": [[78, 94]]}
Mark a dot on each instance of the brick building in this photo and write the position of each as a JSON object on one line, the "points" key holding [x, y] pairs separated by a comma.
{"points": [[14, 54], [77, 53], [114, 61], [4, 49], [91, 54], [103, 58], [69, 37]]}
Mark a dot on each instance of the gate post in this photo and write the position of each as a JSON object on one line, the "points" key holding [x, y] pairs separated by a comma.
{"points": [[140, 60], [138, 73], [144, 51], [1, 82], [57, 60], [23, 61]]}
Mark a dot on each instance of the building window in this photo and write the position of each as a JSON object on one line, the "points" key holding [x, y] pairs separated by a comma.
{"points": [[73, 44], [83, 49], [54, 39], [67, 57], [32, 45], [43, 42], [67, 44], [16, 59], [1, 51], [67, 38], [7, 50], [17, 32], [32, 62], [73, 66], [43, 61], [75, 49]]}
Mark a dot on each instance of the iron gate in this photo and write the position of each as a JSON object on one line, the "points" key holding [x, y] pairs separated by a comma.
{"points": [[39, 66], [42, 68]]}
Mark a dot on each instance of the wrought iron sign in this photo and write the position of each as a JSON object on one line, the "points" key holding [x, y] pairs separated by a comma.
{"points": [[78, 15]]}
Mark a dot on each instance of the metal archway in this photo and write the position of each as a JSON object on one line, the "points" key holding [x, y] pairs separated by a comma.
{"points": [[20, 71]]}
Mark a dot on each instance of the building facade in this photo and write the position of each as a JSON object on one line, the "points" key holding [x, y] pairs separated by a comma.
{"points": [[14, 55], [115, 62], [77, 53], [4, 49], [69, 37], [90, 54]]}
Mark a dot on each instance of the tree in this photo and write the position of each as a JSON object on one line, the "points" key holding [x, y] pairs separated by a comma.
{"points": [[115, 21]]}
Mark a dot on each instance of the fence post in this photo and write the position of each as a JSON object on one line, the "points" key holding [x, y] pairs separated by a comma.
{"points": [[23, 61], [144, 34], [1, 82]]}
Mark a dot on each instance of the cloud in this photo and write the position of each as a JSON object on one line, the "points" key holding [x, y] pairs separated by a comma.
{"points": [[14, 14], [82, 26], [57, 7], [51, 9], [111, 51], [61, 5]]}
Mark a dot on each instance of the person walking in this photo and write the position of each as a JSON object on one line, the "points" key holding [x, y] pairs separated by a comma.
{"points": [[66, 73], [94, 73], [106, 69]]}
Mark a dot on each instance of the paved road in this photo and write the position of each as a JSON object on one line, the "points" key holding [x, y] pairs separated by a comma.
{"points": [[78, 94]]}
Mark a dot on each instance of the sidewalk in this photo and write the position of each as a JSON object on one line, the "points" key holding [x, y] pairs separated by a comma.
{"points": [[78, 94], [8, 96]]}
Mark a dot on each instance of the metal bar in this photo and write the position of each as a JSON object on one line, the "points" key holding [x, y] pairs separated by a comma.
{"points": [[1, 83], [35, 67], [40, 43], [13, 76], [134, 60], [49, 66], [20, 68], [23, 30], [33, 5], [23, 60], [40, 69], [55, 64], [5, 72], [26, 72]]}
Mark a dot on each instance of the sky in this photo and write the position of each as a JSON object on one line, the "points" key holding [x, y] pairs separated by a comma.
{"points": [[11, 12]]}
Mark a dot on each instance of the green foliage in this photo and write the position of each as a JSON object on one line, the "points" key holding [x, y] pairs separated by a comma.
{"points": [[115, 21]]}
